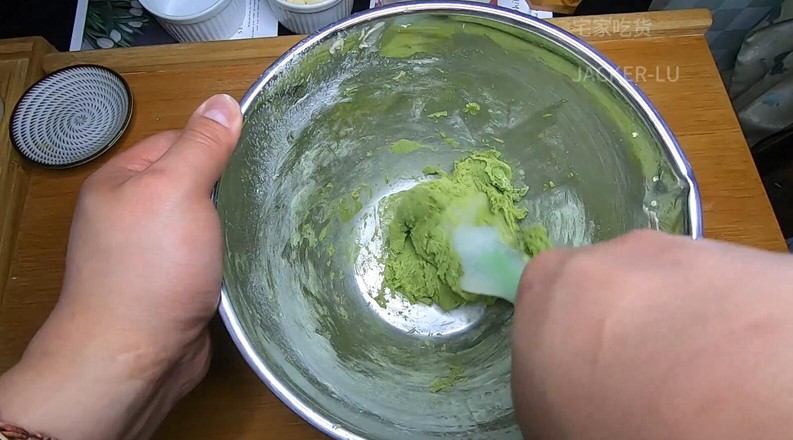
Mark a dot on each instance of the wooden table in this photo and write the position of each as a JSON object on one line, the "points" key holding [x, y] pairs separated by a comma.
{"points": [[168, 82]]}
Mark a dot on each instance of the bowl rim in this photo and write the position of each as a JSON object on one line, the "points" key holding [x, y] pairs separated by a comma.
{"points": [[155, 8], [529, 23], [307, 8]]}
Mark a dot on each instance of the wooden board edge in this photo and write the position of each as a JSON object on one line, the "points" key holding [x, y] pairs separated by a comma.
{"points": [[591, 28], [652, 24], [141, 58], [14, 169]]}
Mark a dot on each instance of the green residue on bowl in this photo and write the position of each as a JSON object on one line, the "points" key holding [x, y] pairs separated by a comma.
{"points": [[431, 170], [323, 233], [421, 263], [419, 37], [323, 332], [438, 115], [350, 91], [550, 185], [356, 193], [295, 239], [404, 146], [352, 252], [381, 300], [447, 140], [472, 108], [455, 376], [534, 239], [350, 205], [306, 233]]}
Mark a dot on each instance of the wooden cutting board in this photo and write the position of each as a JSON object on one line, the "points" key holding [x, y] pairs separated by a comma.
{"points": [[664, 52]]}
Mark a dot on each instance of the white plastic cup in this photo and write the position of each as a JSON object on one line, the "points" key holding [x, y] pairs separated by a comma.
{"points": [[198, 20], [308, 18]]}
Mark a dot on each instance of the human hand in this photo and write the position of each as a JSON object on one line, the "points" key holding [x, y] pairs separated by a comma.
{"points": [[128, 336], [655, 337]]}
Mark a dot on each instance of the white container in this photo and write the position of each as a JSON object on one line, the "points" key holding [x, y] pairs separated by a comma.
{"points": [[198, 20], [305, 19]]}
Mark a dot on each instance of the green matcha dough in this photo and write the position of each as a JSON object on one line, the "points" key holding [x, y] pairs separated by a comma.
{"points": [[420, 262], [456, 375], [404, 146]]}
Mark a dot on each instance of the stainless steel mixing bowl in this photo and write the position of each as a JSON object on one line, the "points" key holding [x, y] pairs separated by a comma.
{"points": [[303, 268]]}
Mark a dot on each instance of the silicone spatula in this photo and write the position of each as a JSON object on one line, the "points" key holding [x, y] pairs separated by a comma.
{"points": [[490, 267]]}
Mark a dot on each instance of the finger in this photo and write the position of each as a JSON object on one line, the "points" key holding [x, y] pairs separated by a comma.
{"points": [[142, 155], [644, 249], [198, 157], [540, 269]]}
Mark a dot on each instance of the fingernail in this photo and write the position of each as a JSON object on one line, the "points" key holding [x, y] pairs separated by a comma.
{"points": [[222, 109]]}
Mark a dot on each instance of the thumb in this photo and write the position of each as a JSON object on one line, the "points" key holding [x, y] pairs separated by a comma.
{"points": [[200, 154]]}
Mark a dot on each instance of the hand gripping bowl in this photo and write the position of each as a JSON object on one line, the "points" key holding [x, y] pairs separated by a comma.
{"points": [[302, 282]]}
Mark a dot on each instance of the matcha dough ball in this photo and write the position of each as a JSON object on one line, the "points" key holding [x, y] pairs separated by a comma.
{"points": [[420, 261]]}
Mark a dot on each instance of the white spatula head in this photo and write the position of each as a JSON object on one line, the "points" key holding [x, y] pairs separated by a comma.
{"points": [[490, 267]]}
